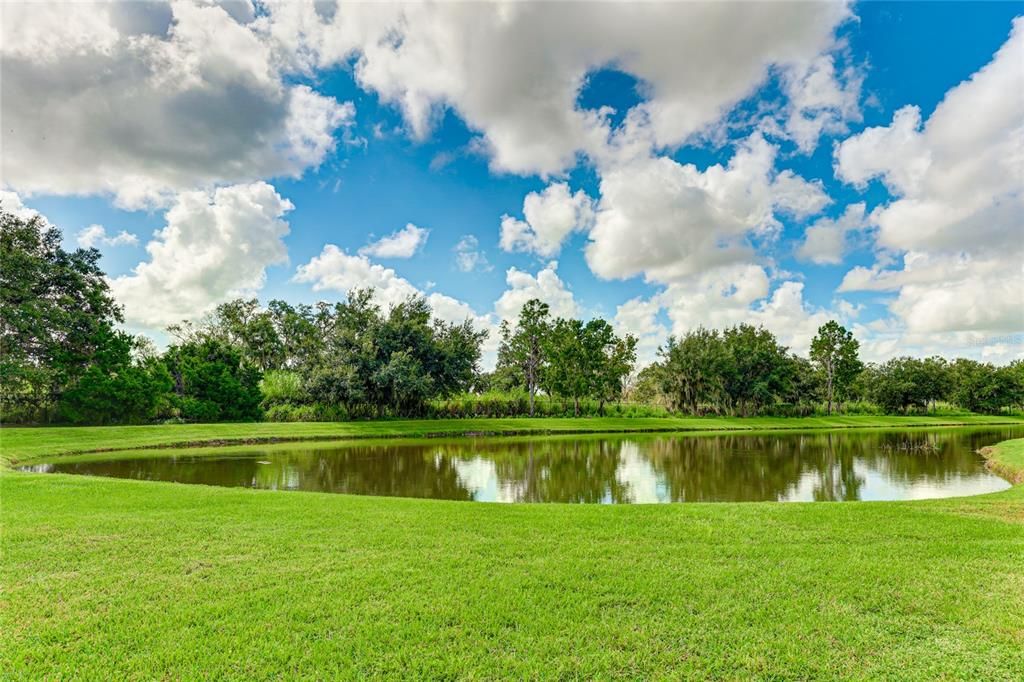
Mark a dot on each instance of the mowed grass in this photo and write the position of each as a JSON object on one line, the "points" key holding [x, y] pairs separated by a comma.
{"points": [[1007, 459], [24, 444], [115, 579]]}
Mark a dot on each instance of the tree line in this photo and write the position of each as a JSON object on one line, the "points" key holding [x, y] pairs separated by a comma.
{"points": [[744, 371], [64, 358], [567, 358]]}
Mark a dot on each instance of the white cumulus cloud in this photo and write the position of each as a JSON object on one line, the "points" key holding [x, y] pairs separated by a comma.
{"points": [[215, 246], [513, 71], [822, 100], [639, 317], [550, 217], [546, 285], [955, 226], [96, 235], [667, 220], [401, 244], [469, 256], [13, 204], [825, 241], [142, 100], [336, 270]]}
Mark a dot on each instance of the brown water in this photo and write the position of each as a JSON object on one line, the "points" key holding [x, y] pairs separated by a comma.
{"points": [[843, 465]]}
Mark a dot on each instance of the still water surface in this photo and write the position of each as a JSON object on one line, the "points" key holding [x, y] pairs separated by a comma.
{"points": [[845, 465]]}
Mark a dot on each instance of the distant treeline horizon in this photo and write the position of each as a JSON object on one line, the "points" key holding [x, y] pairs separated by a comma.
{"points": [[64, 359]]}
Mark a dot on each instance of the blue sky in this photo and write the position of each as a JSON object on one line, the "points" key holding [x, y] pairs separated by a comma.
{"points": [[364, 136]]}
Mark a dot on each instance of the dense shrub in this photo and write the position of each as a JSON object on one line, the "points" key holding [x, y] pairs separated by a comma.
{"points": [[280, 386], [981, 387], [517, 404], [313, 412], [129, 394], [212, 383]]}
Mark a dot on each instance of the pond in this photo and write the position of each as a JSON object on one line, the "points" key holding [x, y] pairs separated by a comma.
{"points": [[609, 469]]}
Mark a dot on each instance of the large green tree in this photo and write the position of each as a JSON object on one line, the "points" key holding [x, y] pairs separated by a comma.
{"points": [[610, 359], [898, 385], [757, 371], [587, 360], [377, 362], [1015, 375], [805, 386], [522, 348], [56, 314], [692, 375], [936, 377], [981, 387], [118, 388], [212, 382], [300, 330], [834, 353], [645, 386], [566, 374]]}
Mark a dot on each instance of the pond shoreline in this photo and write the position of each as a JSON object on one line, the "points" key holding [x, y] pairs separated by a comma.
{"points": [[739, 466], [33, 443], [1006, 459]]}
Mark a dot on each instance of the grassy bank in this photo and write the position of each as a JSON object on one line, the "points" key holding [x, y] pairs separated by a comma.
{"points": [[109, 578], [114, 578], [19, 445], [1007, 459]]}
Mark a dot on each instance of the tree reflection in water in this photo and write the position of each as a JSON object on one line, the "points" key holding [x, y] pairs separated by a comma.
{"points": [[602, 469]]}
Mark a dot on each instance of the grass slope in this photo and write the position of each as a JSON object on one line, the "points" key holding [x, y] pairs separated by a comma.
{"points": [[19, 445], [1007, 459], [116, 579], [120, 579]]}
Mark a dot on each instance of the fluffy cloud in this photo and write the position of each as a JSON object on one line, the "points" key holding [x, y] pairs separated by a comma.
{"points": [[96, 235], [825, 241], [215, 246], [734, 296], [942, 292], [12, 203], [727, 296], [336, 270], [639, 317], [789, 317], [668, 220], [514, 70], [546, 285], [1001, 353], [550, 216], [469, 256], [897, 153], [797, 197], [957, 216], [714, 299], [140, 100], [885, 339], [402, 244], [821, 100]]}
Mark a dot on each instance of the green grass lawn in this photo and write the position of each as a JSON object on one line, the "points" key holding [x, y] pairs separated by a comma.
{"points": [[1007, 459], [106, 578]]}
